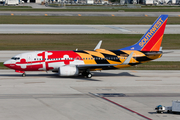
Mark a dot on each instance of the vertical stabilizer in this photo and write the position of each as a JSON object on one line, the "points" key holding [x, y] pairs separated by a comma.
{"points": [[151, 41]]}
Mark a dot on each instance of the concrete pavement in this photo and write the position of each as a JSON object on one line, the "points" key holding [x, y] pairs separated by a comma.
{"points": [[66, 13], [80, 29], [44, 96]]}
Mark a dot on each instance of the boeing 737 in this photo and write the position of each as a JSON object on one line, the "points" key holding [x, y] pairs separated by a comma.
{"points": [[82, 62]]}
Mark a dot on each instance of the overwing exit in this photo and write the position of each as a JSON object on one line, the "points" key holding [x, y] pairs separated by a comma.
{"points": [[82, 62]]}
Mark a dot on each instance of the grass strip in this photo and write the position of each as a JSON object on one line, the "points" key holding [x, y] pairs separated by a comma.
{"points": [[153, 65], [82, 20], [15, 7], [80, 41], [2, 66]]}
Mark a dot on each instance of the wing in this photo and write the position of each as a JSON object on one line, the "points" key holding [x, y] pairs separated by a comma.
{"points": [[105, 65]]}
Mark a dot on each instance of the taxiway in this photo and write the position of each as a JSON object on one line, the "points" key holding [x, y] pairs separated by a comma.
{"points": [[81, 29], [44, 96], [66, 13]]}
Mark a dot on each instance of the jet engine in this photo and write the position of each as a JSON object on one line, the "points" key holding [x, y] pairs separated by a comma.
{"points": [[68, 71]]}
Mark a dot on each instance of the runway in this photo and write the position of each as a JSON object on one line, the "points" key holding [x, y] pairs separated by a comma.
{"points": [[44, 96], [81, 29], [120, 13], [170, 55]]}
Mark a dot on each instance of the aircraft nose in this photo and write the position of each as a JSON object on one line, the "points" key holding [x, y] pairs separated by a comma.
{"points": [[7, 63]]}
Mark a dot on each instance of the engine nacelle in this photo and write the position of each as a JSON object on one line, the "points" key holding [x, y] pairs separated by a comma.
{"points": [[68, 71]]}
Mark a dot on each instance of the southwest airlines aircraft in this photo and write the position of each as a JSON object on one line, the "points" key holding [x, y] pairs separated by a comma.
{"points": [[74, 63]]}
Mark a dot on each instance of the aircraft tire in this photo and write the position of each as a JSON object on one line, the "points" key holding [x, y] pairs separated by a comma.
{"points": [[89, 75], [23, 75]]}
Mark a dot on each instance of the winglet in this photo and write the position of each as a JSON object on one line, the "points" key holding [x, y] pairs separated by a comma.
{"points": [[128, 59], [98, 45]]}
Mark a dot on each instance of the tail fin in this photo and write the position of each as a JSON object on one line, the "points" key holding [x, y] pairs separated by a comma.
{"points": [[151, 41]]}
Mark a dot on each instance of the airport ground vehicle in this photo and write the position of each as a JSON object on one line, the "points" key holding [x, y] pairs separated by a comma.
{"points": [[174, 108]]}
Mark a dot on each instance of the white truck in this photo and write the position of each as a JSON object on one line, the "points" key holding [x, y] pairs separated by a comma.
{"points": [[90, 2], [174, 108], [149, 2], [12, 2]]}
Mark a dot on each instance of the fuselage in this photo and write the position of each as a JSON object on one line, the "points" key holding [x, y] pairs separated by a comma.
{"points": [[52, 60]]}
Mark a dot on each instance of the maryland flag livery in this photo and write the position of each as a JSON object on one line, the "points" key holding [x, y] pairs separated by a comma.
{"points": [[74, 63]]}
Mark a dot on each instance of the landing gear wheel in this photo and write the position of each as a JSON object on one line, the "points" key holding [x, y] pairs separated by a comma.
{"points": [[24, 74], [89, 75]]}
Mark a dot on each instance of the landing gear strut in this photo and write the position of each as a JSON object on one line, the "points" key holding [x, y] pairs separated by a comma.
{"points": [[24, 74]]}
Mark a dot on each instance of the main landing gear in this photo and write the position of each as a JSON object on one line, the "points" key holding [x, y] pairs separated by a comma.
{"points": [[87, 74]]}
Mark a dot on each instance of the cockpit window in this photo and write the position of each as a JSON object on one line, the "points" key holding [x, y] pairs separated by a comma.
{"points": [[15, 58]]}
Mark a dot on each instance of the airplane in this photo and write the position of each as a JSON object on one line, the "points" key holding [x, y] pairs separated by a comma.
{"points": [[82, 62]]}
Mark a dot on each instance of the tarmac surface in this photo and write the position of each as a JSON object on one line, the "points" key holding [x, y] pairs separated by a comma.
{"points": [[44, 96], [80, 29], [61, 13], [169, 55]]}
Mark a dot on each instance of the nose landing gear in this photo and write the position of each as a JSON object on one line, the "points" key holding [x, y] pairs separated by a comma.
{"points": [[24, 74]]}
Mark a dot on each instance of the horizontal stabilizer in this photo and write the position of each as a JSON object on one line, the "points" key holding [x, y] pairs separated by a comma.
{"points": [[128, 59]]}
